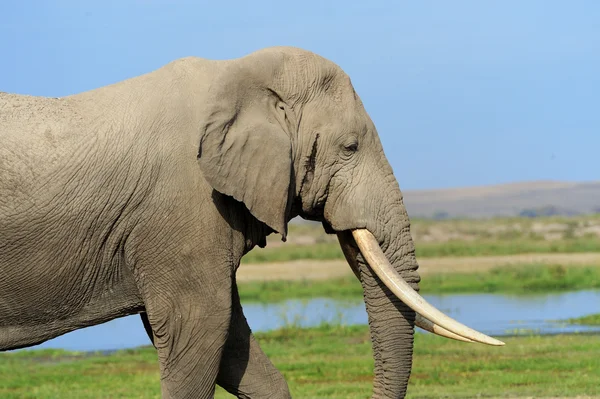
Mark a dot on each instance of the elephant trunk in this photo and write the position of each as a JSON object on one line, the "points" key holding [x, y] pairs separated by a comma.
{"points": [[391, 322], [392, 327], [382, 256]]}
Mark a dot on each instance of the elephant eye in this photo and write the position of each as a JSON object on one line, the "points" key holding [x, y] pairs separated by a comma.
{"points": [[351, 147]]}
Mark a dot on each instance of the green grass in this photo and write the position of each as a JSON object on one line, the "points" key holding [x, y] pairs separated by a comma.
{"points": [[53, 374], [276, 291], [331, 250], [290, 252], [517, 279], [590, 320], [331, 362], [507, 247], [514, 279]]}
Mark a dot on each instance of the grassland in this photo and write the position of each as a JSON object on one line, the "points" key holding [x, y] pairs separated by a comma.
{"points": [[331, 362], [515, 279], [331, 250], [590, 320], [507, 236], [290, 252]]}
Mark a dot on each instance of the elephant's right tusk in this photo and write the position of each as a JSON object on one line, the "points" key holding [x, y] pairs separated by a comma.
{"points": [[369, 247], [427, 325]]}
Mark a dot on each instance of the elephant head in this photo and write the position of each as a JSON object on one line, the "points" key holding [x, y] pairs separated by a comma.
{"points": [[287, 135]]}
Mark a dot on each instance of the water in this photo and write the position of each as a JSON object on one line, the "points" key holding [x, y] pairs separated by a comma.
{"points": [[491, 314]]}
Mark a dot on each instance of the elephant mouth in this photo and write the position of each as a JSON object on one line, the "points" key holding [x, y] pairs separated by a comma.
{"points": [[427, 316]]}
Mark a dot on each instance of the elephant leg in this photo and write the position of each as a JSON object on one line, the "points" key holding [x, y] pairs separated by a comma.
{"points": [[246, 371], [189, 311]]}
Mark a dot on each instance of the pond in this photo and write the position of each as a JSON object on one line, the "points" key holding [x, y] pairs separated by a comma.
{"points": [[491, 314]]}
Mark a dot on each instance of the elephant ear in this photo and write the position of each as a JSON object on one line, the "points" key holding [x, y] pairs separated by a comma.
{"points": [[246, 152]]}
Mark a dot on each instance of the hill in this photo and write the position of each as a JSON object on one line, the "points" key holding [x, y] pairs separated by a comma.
{"points": [[537, 198]]}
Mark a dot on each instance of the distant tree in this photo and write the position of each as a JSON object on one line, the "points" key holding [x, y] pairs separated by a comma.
{"points": [[528, 213], [440, 215], [548, 210]]}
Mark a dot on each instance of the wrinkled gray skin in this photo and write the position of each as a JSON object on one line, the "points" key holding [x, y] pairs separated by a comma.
{"points": [[143, 196]]}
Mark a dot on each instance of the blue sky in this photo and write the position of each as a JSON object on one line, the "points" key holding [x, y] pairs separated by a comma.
{"points": [[462, 92]]}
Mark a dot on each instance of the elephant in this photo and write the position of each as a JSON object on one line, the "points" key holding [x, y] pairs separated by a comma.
{"points": [[141, 197]]}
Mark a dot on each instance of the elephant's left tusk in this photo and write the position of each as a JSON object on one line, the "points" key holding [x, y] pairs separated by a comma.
{"points": [[369, 247], [427, 325]]}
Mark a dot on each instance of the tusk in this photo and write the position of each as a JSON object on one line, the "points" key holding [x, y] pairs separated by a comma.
{"points": [[427, 325], [389, 276], [350, 254]]}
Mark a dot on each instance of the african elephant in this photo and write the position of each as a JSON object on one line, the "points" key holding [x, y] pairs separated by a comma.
{"points": [[143, 196]]}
